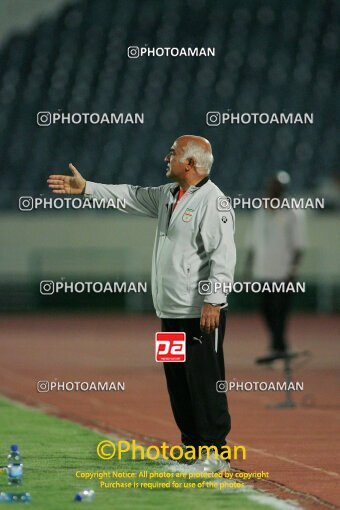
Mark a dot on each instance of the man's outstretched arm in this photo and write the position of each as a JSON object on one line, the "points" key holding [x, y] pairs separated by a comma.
{"points": [[138, 200]]}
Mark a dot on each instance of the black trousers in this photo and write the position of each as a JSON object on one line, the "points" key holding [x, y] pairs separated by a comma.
{"points": [[275, 310], [201, 413]]}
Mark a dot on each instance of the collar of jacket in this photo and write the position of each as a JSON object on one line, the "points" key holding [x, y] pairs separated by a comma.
{"points": [[198, 185]]}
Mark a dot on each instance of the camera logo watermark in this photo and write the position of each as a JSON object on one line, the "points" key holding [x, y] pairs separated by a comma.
{"points": [[28, 203], [45, 119], [49, 287], [217, 118], [205, 287], [133, 52], [213, 118], [167, 51], [47, 386], [208, 287], [225, 204], [170, 347], [224, 386]]}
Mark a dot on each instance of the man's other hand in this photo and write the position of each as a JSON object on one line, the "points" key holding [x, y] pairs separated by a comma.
{"points": [[72, 185], [210, 318]]}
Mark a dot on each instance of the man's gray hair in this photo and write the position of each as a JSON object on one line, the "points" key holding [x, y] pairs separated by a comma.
{"points": [[204, 159]]}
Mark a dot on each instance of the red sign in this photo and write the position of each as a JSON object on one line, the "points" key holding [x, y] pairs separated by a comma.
{"points": [[170, 347]]}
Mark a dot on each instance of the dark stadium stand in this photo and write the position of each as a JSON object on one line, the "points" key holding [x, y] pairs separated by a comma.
{"points": [[271, 56]]}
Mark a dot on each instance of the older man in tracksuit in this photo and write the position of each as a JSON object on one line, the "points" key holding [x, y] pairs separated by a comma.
{"points": [[194, 242]]}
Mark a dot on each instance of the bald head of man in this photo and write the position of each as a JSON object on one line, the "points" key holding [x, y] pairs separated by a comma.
{"points": [[189, 160]]}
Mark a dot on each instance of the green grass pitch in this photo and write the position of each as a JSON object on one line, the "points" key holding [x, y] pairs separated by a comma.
{"points": [[54, 449]]}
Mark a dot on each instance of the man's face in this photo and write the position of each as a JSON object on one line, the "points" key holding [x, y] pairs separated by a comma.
{"points": [[175, 167]]}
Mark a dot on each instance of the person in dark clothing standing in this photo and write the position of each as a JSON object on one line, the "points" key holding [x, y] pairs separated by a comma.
{"points": [[276, 241]]}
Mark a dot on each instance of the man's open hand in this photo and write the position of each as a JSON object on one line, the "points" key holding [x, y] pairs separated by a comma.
{"points": [[210, 318], [73, 185]]}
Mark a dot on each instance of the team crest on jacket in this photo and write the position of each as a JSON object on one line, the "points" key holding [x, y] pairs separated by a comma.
{"points": [[187, 216]]}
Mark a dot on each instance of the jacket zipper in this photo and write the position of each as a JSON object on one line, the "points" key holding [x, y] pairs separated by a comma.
{"points": [[188, 279]]}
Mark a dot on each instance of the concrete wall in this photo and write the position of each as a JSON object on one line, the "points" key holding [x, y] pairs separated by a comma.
{"points": [[107, 244]]}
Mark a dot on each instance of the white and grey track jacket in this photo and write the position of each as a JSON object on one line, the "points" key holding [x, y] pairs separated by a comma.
{"points": [[193, 243]]}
